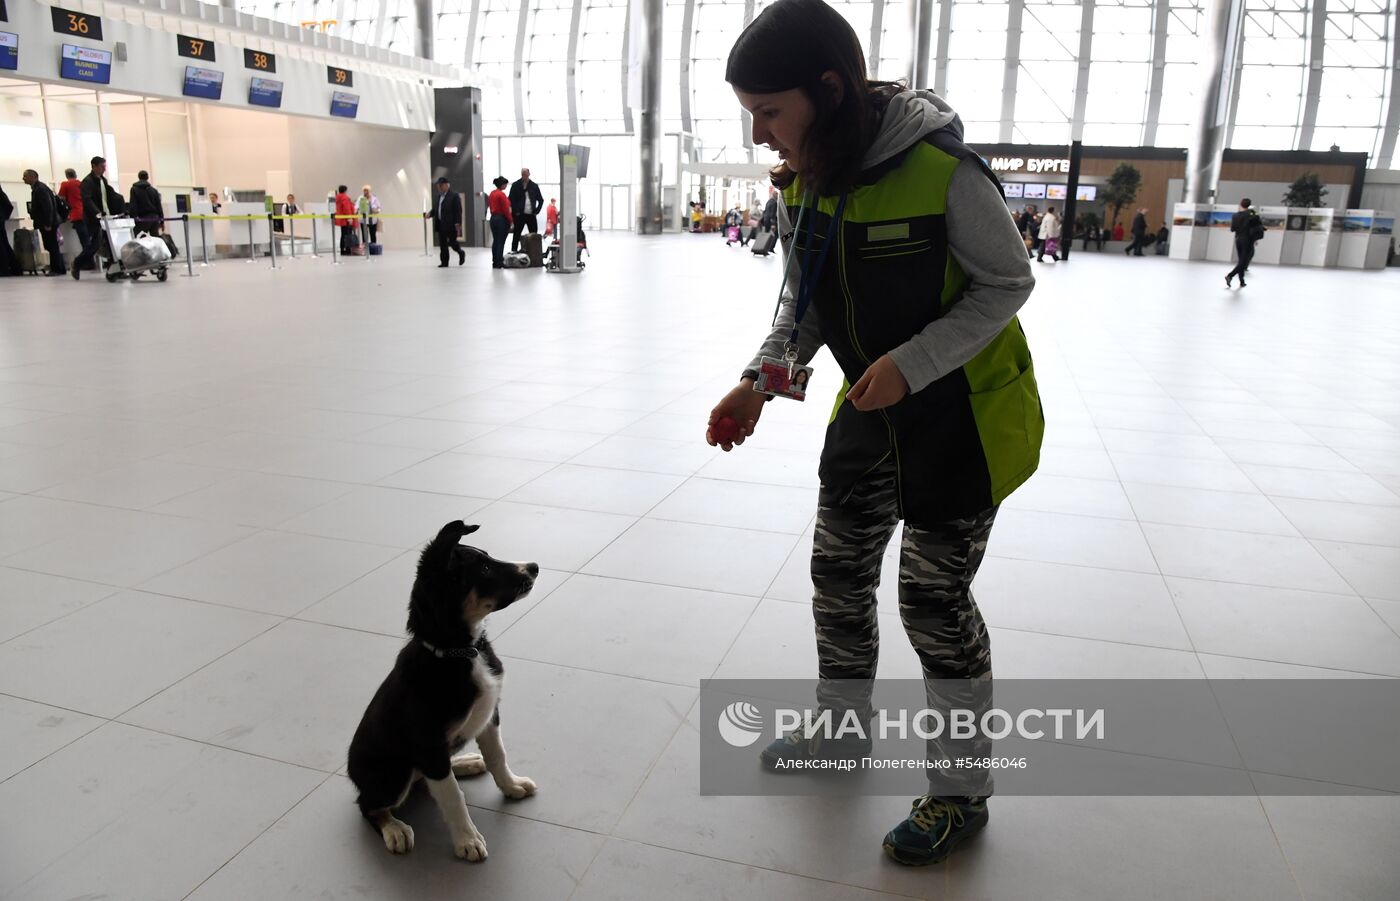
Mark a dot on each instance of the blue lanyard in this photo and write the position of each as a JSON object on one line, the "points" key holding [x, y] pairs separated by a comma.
{"points": [[812, 268]]}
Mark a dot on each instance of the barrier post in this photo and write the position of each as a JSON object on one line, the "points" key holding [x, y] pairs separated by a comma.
{"points": [[189, 257], [292, 230], [271, 240], [203, 244], [426, 252], [335, 244], [315, 245], [250, 239]]}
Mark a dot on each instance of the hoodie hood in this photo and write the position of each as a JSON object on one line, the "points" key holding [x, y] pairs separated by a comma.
{"points": [[910, 116]]}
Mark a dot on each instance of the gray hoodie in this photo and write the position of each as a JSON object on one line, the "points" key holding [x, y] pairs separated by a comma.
{"points": [[982, 236]]}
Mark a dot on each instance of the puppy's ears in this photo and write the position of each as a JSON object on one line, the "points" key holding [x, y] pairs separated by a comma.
{"points": [[438, 554]]}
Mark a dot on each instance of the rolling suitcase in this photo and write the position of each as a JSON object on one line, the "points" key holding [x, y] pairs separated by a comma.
{"points": [[376, 250], [533, 246], [27, 250], [764, 243]]}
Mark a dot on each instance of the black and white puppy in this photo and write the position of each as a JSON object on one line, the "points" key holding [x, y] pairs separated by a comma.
{"points": [[443, 692]]}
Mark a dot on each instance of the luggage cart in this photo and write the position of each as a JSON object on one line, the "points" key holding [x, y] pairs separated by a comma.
{"points": [[119, 231]]}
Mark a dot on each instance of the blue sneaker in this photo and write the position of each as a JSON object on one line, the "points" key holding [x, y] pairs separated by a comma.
{"points": [[933, 830], [794, 747]]}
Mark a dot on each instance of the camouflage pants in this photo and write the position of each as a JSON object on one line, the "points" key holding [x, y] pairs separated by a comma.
{"points": [[937, 562]]}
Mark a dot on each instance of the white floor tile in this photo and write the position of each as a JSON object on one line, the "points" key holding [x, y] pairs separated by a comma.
{"points": [[34, 731], [254, 499], [1063, 538], [1214, 554], [623, 451], [688, 555], [554, 537], [1348, 487], [740, 505], [125, 813], [1066, 494], [630, 629], [117, 652], [597, 490], [424, 434], [272, 572], [1234, 510], [323, 842], [530, 444], [294, 694], [33, 599], [466, 474], [138, 486], [1303, 627], [387, 516], [1333, 521]]}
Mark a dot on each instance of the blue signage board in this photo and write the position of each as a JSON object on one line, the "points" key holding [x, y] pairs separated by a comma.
{"points": [[83, 64], [344, 104], [206, 83], [265, 92], [9, 50]]}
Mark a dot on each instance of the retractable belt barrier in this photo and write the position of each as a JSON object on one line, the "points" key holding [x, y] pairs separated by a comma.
{"points": [[292, 219]]}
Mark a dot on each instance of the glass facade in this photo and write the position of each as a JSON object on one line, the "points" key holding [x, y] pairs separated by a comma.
{"points": [[1012, 67]]}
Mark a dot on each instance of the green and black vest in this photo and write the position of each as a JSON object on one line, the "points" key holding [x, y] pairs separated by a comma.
{"points": [[967, 440]]}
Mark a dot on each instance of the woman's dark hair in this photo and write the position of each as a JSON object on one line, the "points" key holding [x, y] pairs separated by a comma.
{"points": [[341, 189], [790, 46], [500, 180]]}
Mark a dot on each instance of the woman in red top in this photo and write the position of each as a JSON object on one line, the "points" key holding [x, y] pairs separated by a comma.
{"points": [[346, 218], [501, 221], [72, 193]]}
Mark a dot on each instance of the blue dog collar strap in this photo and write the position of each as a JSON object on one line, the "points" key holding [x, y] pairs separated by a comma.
{"points": [[449, 652]]}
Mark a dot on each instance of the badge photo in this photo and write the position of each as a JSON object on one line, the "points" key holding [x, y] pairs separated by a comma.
{"points": [[773, 379]]}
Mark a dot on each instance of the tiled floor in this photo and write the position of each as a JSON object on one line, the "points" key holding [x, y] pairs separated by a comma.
{"points": [[211, 492]]}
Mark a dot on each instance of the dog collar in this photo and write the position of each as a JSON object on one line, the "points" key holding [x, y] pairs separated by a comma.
{"points": [[450, 652]]}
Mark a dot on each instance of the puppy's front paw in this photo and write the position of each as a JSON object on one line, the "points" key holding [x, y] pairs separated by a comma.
{"points": [[468, 765], [398, 836], [519, 787], [471, 847]]}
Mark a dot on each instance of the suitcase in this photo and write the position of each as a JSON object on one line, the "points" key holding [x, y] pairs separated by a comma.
{"points": [[376, 250], [533, 246], [170, 245], [764, 243], [27, 250]]}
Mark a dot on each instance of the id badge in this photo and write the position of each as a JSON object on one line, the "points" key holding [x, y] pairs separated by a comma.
{"points": [[778, 378]]}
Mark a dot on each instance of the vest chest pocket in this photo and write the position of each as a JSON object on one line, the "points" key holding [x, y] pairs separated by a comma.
{"points": [[889, 250]]}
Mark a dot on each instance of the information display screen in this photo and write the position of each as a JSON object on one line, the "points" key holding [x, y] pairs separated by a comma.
{"points": [[206, 83], [1035, 192], [344, 104], [195, 48], [78, 24], [1086, 192], [265, 92], [1011, 188], [9, 50], [1056, 192], [82, 64], [341, 78], [257, 59]]}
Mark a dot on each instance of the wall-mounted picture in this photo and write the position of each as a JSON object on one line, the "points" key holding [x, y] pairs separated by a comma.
{"points": [[1273, 220], [1383, 226], [1354, 224], [1220, 218], [1297, 223], [1321, 223]]}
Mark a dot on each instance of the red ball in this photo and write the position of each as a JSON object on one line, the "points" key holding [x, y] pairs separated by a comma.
{"points": [[725, 431]]}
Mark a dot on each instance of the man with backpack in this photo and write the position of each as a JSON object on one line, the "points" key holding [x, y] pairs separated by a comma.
{"points": [[43, 211], [1248, 229]]}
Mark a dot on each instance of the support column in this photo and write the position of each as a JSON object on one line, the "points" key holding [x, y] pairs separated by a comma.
{"points": [[1015, 12], [1392, 116], [687, 61], [518, 72], [746, 117], [571, 68], [1081, 80], [1161, 17], [945, 31], [920, 41], [423, 10], [1316, 41], [649, 126], [1219, 48], [877, 33]]}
